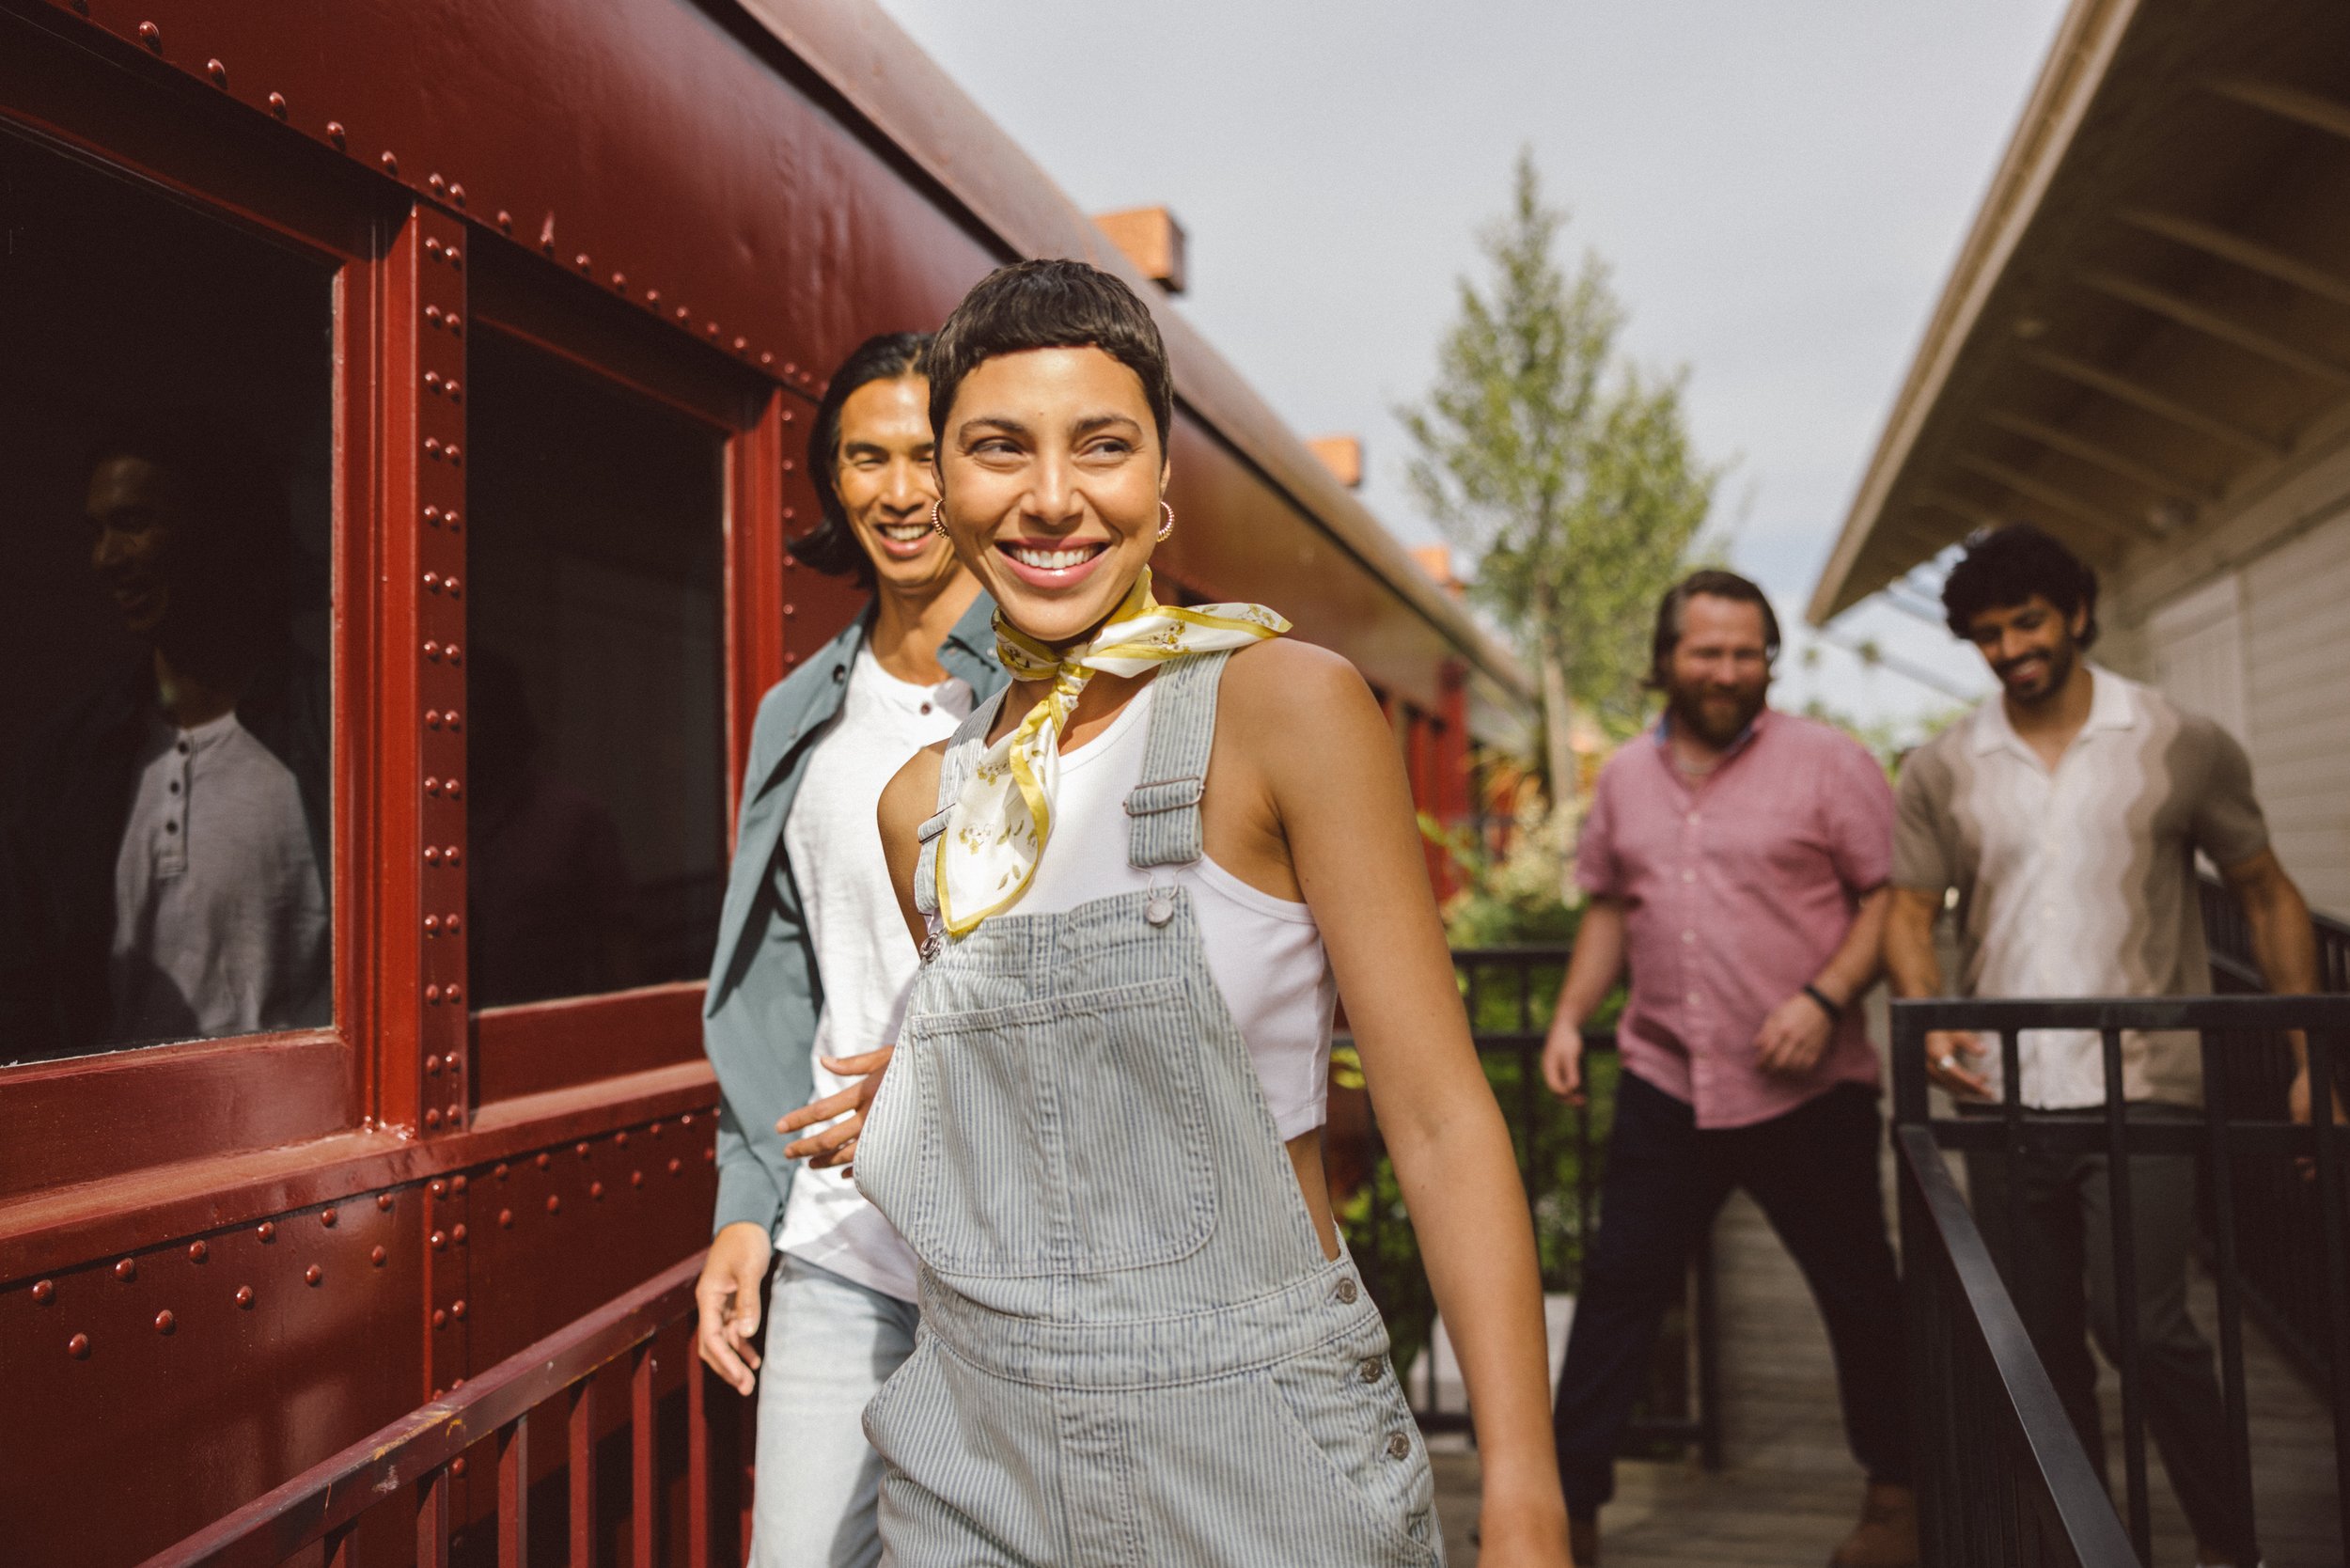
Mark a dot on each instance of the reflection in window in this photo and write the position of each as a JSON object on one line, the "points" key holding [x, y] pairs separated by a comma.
{"points": [[597, 797], [166, 494]]}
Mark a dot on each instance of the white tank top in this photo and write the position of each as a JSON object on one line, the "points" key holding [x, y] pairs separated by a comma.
{"points": [[1266, 953]]}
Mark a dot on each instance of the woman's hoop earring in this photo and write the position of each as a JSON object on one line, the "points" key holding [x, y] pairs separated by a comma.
{"points": [[938, 524], [1168, 526]]}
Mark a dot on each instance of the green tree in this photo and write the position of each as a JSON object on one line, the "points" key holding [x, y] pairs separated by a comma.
{"points": [[1565, 471]]}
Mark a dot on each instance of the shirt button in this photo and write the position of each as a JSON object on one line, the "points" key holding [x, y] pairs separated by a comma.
{"points": [[925, 707], [1693, 998], [171, 827], [1694, 819], [175, 786], [1688, 876], [184, 748], [1688, 936]]}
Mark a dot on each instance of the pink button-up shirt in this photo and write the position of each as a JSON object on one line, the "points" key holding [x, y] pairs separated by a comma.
{"points": [[1735, 896]]}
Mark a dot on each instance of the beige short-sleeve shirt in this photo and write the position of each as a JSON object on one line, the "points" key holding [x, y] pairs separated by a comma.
{"points": [[2080, 881]]}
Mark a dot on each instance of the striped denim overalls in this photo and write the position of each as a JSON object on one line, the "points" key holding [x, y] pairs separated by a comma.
{"points": [[1133, 1349]]}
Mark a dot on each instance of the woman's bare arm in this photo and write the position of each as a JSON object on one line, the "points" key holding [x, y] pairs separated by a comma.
{"points": [[1301, 730], [907, 801]]}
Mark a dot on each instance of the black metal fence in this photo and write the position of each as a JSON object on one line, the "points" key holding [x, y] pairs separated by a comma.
{"points": [[1561, 1152], [2003, 1476], [2270, 1206]]}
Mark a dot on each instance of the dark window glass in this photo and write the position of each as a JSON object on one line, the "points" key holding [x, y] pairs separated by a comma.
{"points": [[166, 499], [597, 725]]}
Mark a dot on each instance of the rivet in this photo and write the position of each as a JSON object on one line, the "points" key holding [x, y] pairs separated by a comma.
{"points": [[686, 1119], [436, 1186], [789, 658], [312, 1275], [267, 1229], [654, 1129], [436, 185], [652, 296], [327, 1217], [432, 314], [440, 1240], [506, 1217], [786, 412], [683, 313], [675, 1165], [454, 721], [455, 1067], [44, 1289], [711, 328], [456, 992], [432, 1115], [457, 1184], [277, 104], [619, 1139], [457, 1465], [391, 164], [383, 1202], [432, 854], [454, 455], [789, 513], [431, 786], [433, 516], [433, 247], [710, 1156], [581, 1149], [636, 1177], [450, 518], [456, 789], [377, 1256], [432, 925], [457, 1310], [432, 994], [218, 72], [455, 396], [440, 1319], [620, 281], [499, 1170], [580, 261], [542, 1161], [790, 368], [455, 326], [151, 36], [433, 718], [127, 1270], [789, 465], [78, 1347], [595, 1189], [742, 343], [164, 1321], [506, 221], [243, 1296], [432, 1066], [555, 1203], [457, 1234], [198, 1252], [790, 610], [335, 132], [452, 855], [767, 356], [433, 450], [433, 380]]}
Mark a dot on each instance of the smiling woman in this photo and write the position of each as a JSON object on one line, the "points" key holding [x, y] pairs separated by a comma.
{"points": [[1099, 1131]]}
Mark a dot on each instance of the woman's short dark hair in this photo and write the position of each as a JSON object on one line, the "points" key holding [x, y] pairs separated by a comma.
{"points": [[1715, 584], [2004, 566], [1050, 304], [832, 546]]}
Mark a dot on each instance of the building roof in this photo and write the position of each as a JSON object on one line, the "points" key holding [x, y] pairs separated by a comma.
{"points": [[2151, 315], [863, 56]]}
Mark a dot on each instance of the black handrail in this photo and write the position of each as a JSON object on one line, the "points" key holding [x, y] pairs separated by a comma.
{"points": [[1947, 1421]]}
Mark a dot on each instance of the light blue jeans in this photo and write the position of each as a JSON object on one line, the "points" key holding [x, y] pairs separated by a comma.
{"points": [[830, 1344]]}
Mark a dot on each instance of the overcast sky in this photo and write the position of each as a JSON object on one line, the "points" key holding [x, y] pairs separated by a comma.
{"points": [[1780, 187]]}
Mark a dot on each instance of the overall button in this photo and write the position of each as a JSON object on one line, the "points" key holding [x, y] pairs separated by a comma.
{"points": [[1399, 1445], [1370, 1369], [1347, 1291]]}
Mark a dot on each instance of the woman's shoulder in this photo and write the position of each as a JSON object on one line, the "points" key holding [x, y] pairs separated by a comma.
{"points": [[1296, 695], [912, 793]]}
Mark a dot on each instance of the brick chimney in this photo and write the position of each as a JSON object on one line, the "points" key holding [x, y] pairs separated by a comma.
{"points": [[1342, 455], [1151, 239]]}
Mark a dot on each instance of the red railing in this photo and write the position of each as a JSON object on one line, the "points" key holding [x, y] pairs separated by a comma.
{"points": [[414, 1459]]}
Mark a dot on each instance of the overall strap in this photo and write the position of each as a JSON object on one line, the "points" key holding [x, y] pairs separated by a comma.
{"points": [[1165, 807], [963, 752]]}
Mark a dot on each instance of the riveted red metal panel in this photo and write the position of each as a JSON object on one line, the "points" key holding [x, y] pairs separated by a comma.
{"points": [[150, 1392]]}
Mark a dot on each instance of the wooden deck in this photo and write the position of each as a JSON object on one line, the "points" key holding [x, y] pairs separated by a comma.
{"points": [[1789, 1489]]}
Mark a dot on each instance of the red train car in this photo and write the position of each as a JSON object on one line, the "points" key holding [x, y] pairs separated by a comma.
{"points": [[438, 369]]}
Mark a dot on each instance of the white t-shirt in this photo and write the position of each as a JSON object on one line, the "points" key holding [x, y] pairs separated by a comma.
{"points": [[864, 958], [219, 913]]}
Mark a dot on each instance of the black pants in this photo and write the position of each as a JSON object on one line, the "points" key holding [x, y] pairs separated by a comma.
{"points": [[2064, 1277], [1814, 1173]]}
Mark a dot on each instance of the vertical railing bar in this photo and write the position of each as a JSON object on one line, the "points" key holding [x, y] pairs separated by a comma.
{"points": [[641, 1437], [2232, 1385], [515, 1492], [2126, 1295], [2330, 1223], [697, 1465], [432, 1519], [2020, 1254], [582, 1477], [342, 1546], [1709, 1358]]}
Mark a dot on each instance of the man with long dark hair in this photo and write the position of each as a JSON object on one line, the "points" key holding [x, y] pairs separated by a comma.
{"points": [[1738, 858]]}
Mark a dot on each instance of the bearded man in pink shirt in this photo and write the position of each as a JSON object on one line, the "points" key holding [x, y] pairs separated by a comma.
{"points": [[1737, 860]]}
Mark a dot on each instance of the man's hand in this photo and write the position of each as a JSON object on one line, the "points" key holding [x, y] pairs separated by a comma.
{"points": [[1794, 1036], [837, 1144], [726, 1295], [2297, 1105], [1562, 1061], [1947, 1051]]}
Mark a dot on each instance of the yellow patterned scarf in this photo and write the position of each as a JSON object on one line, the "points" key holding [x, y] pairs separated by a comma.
{"points": [[1004, 814]]}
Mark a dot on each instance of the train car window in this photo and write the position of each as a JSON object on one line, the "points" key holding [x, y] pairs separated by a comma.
{"points": [[597, 680], [167, 496]]}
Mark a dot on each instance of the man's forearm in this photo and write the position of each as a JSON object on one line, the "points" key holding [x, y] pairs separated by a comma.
{"points": [[1594, 967], [1853, 968], [1910, 964], [2285, 944]]}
